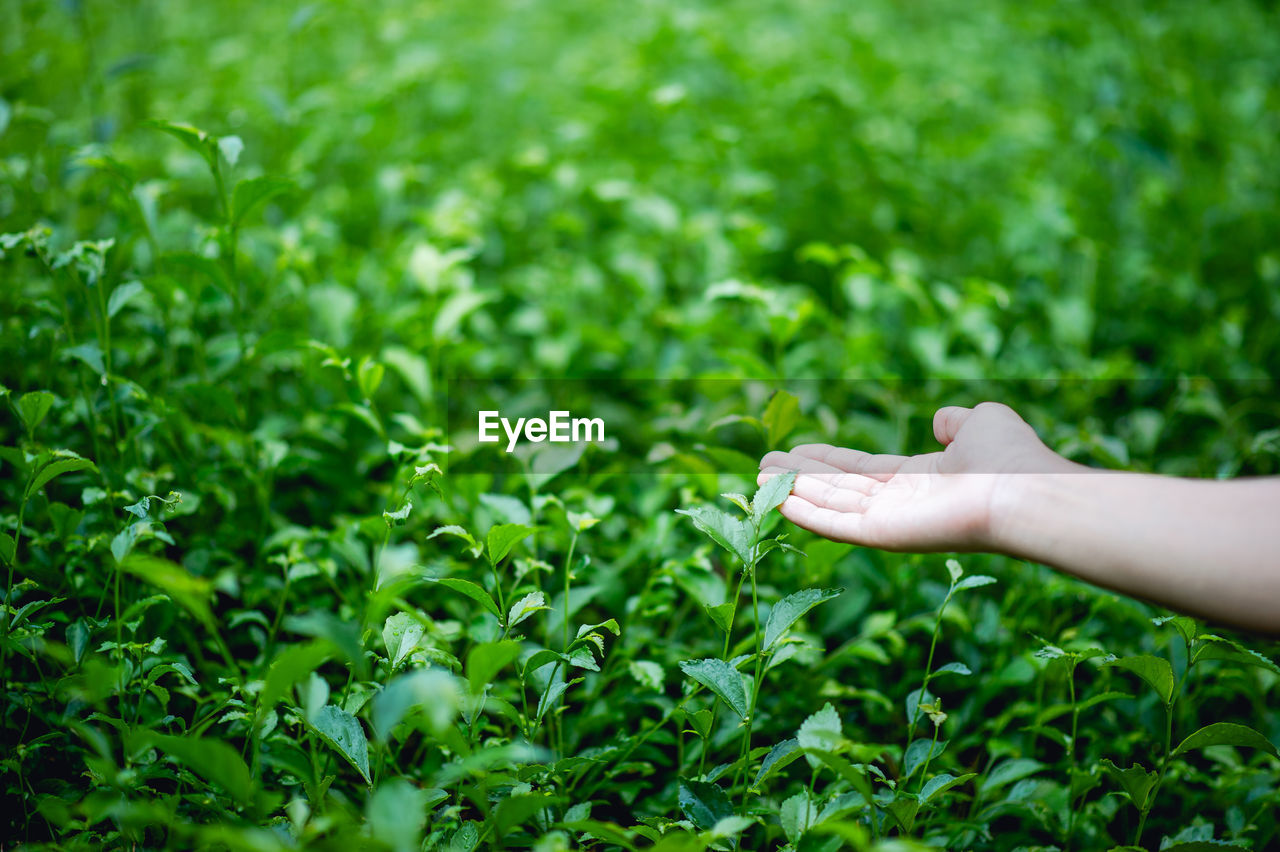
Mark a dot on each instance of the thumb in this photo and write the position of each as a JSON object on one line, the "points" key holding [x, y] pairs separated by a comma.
{"points": [[947, 422]]}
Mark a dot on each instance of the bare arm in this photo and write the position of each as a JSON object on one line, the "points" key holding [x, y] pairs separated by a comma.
{"points": [[1206, 547]]}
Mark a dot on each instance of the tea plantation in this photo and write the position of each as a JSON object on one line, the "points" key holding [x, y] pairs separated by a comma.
{"points": [[265, 590]]}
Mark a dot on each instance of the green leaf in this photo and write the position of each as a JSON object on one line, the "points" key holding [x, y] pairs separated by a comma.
{"points": [[121, 295], [434, 691], [472, 590], [721, 615], [89, 354], [722, 679], [904, 813], [342, 732], [1220, 648], [396, 814], [821, 731], [1185, 625], [1226, 733], [248, 194], [230, 147], [788, 610], [951, 668], [780, 416], [56, 469], [733, 534], [939, 784], [191, 592], [401, 633], [1154, 670], [973, 581], [779, 757], [193, 137], [211, 759], [398, 517], [918, 752], [8, 548], [647, 673], [502, 538], [343, 634], [487, 659], [703, 803], [32, 408], [797, 815], [525, 607], [1008, 771], [771, 495], [78, 638], [1136, 781]]}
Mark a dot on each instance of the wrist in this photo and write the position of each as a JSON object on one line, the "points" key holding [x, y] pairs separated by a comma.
{"points": [[1020, 503]]}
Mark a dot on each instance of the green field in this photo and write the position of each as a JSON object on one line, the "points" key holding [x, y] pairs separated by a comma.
{"points": [[264, 591]]}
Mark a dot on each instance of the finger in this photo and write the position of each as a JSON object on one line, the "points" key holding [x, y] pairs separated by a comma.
{"points": [[878, 465], [844, 492], [798, 463], [840, 526], [947, 422]]}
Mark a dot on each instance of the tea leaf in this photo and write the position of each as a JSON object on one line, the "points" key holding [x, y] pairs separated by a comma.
{"points": [[771, 495], [722, 679], [704, 804], [32, 408], [821, 731], [249, 194], [779, 757], [471, 590], [733, 534], [397, 812], [1155, 671], [525, 607], [502, 538], [939, 784], [214, 760], [789, 610], [780, 416], [343, 733], [487, 659], [1226, 733], [1136, 781]]}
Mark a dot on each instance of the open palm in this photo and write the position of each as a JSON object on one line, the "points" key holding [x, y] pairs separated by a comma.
{"points": [[934, 501]]}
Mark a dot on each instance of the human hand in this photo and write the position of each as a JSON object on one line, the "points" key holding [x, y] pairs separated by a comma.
{"points": [[935, 501]]}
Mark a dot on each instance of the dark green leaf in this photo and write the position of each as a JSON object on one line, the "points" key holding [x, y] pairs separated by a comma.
{"points": [[789, 610], [1226, 733], [211, 759], [1136, 781], [722, 679], [1155, 671], [703, 803]]}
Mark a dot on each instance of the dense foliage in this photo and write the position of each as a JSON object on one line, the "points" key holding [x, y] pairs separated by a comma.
{"points": [[248, 606]]}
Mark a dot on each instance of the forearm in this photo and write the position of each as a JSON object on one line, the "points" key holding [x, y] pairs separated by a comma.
{"points": [[1210, 548]]}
